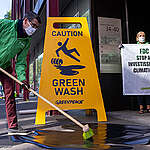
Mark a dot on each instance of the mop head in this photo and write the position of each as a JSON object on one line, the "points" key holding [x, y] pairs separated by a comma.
{"points": [[87, 132]]}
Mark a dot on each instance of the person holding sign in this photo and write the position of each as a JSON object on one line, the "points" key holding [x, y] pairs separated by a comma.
{"points": [[140, 38], [141, 99]]}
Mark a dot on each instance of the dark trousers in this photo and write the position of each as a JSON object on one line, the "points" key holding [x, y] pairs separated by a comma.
{"points": [[143, 99], [10, 104]]}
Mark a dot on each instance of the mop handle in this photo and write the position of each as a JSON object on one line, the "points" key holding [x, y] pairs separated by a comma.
{"points": [[31, 90]]}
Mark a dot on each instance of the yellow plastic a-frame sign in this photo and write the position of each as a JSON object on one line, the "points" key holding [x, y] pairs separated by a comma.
{"points": [[69, 76]]}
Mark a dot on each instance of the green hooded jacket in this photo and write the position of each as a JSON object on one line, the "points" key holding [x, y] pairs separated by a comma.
{"points": [[10, 46]]}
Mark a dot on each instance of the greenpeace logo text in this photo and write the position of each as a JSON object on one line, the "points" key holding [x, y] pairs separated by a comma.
{"points": [[69, 101]]}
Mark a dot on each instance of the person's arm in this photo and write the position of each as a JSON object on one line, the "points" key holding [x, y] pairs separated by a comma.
{"points": [[58, 51], [66, 41], [21, 63], [120, 46]]}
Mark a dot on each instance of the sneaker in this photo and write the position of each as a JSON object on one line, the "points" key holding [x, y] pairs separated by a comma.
{"points": [[16, 131]]}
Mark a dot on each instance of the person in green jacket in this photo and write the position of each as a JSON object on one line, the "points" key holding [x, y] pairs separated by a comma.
{"points": [[15, 37]]}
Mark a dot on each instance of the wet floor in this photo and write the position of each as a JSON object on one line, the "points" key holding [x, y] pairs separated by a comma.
{"points": [[106, 136]]}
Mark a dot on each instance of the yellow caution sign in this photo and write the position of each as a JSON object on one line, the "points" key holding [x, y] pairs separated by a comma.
{"points": [[69, 76]]}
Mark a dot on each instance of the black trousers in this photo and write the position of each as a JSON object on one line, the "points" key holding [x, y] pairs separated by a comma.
{"points": [[143, 99]]}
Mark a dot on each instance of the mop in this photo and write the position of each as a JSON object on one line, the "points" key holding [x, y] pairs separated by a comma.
{"points": [[87, 132]]}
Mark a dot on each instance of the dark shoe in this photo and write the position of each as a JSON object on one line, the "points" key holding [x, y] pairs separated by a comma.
{"points": [[16, 131], [148, 110], [141, 111]]}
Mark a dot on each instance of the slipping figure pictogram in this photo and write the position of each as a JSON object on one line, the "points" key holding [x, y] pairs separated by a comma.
{"points": [[66, 51]]}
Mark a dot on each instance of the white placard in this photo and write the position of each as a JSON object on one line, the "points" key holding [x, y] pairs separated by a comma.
{"points": [[109, 39], [136, 69]]}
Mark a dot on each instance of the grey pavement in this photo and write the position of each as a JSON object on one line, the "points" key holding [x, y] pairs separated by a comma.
{"points": [[130, 116], [26, 116]]}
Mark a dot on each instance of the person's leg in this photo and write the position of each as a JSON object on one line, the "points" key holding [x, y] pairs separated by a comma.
{"points": [[10, 104], [141, 103], [147, 100]]}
